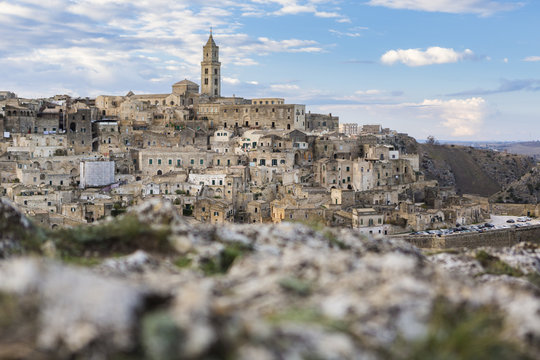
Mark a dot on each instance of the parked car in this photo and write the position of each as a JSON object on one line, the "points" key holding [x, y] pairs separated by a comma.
{"points": [[510, 221]]}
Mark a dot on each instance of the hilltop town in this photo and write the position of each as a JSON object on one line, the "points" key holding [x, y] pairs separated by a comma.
{"points": [[68, 161], [191, 225]]}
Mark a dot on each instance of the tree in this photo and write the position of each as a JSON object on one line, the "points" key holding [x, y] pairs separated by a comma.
{"points": [[431, 140]]}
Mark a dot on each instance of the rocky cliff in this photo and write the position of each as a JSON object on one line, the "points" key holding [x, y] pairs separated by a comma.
{"points": [[149, 285], [470, 170], [525, 190]]}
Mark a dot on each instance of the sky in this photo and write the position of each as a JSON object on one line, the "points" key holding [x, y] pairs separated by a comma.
{"points": [[453, 69]]}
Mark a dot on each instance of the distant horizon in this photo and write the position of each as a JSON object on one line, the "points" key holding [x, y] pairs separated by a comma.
{"points": [[368, 61]]}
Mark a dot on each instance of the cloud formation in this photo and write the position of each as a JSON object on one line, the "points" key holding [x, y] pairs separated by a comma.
{"points": [[532, 58], [479, 7], [294, 7], [459, 118], [89, 47], [505, 87], [430, 56], [463, 117]]}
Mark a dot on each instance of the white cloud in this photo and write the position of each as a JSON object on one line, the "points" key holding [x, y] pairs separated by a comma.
{"points": [[532, 58], [245, 62], [454, 118], [7, 10], [479, 7], [348, 33], [295, 7], [252, 82], [368, 92], [418, 57], [284, 87], [264, 45], [463, 117], [231, 81]]}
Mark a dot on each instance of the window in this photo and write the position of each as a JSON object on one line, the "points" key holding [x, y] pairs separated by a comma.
{"points": [[201, 161], [192, 162], [159, 161], [216, 213], [206, 71], [206, 81], [170, 161]]}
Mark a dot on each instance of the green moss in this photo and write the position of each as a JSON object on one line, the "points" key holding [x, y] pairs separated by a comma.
{"points": [[81, 261], [534, 278], [123, 235], [296, 286], [160, 336], [308, 316], [441, 251], [494, 265], [18, 324], [225, 259], [462, 333], [183, 262]]}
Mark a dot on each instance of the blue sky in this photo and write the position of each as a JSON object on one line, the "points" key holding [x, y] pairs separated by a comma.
{"points": [[455, 69]]}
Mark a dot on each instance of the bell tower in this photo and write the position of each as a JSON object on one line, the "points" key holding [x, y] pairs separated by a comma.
{"points": [[211, 69]]}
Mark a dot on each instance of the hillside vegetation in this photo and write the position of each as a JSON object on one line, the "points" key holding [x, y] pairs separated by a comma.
{"points": [[526, 190], [529, 148], [470, 170]]}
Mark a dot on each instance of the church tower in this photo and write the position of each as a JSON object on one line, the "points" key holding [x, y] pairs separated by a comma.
{"points": [[211, 69]]}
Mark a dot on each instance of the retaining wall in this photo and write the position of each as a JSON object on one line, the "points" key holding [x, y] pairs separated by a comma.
{"points": [[496, 238]]}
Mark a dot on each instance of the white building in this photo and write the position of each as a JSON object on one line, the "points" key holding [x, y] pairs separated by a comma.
{"points": [[96, 173]]}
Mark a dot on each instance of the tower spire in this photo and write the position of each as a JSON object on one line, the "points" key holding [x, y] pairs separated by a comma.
{"points": [[211, 68]]}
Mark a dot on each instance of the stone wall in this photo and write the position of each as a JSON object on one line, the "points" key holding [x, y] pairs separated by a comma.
{"points": [[495, 238], [515, 209]]}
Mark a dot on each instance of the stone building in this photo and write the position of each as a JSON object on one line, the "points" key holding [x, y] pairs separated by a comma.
{"points": [[79, 131], [349, 129], [18, 119], [211, 69], [96, 173], [321, 122]]}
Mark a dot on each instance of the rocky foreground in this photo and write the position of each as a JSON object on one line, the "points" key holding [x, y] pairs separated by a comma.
{"points": [[149, 285]]}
